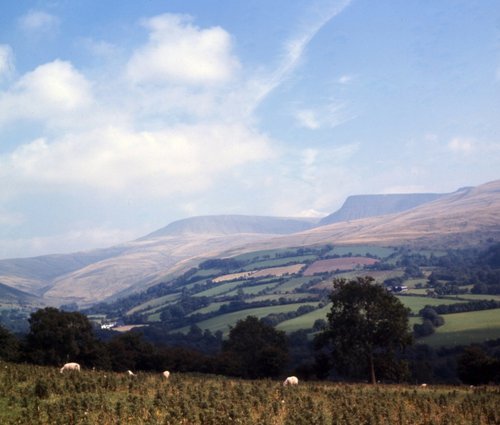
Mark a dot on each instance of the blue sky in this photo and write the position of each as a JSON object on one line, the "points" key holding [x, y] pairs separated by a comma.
{"points": [[119, 117]]}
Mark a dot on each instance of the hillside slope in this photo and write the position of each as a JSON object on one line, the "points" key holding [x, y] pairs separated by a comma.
{"points": [[364, 206], [467, 217], [96, 275]]}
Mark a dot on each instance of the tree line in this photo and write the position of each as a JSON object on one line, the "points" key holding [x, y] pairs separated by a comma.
{"points": [[365, 337]]}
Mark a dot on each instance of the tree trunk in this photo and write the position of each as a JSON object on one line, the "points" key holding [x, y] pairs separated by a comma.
{"points": [[372, 370]]}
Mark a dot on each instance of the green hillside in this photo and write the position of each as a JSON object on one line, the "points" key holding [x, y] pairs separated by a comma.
{"points": [[220, 291]]}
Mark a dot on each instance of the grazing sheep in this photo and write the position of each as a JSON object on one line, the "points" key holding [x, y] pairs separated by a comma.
{"points": [[291, 380], [166, 374], [70, 366], [424, 385], [130, 373]]}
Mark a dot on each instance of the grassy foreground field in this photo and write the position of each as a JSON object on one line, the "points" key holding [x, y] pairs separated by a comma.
{"points": [[41, 395]]}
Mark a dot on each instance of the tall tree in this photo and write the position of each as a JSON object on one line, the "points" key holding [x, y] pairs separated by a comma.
{"points": [[9, 345], [366, 327], [57, 336], [255, 349]]}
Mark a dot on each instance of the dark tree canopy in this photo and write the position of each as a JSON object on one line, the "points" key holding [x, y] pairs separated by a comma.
{"points": [[9, 345], [366, 327], [477, 367], [57, 337], [255, 349]]}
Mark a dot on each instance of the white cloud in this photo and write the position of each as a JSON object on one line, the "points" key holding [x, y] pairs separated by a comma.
{"points": [[461, 145], [311, 213], [330, 116], [37, 21], [177, 160], [307, 118], [180, 52], [50, 90], [345, 79], [6, 61]]}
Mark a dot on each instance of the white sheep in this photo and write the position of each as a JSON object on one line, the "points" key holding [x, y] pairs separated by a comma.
{"points": [[130, 373], [291, 380], [166, 374], [70, 366]]}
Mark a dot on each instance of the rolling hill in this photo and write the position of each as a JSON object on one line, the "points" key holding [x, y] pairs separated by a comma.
{"points": [[467, 217]]}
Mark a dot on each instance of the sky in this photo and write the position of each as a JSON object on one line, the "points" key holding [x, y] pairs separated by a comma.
{"points": [[119, 117]]}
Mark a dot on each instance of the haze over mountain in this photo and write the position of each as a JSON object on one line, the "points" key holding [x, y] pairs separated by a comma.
{"points": [[231, 224], [469, 216], [363, 206]]}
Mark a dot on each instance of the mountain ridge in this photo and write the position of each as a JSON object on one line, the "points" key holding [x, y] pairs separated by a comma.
{"points": [[362, 206], [466, 217]]}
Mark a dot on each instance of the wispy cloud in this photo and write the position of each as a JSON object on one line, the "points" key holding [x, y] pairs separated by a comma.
{"points": [[461, 145], [6, 61], [328, 116], [345, 79], [294, 50], [38, 21]]}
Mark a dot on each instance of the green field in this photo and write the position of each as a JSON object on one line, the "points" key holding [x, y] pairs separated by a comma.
{"points": [[466, 328], [253, 290], [224, 321], [478, 297], [220, 289], [148, 305], [304, 321], [42, 396], [276, 262], [291, 284], [209, 308], [362, 250], [415, 304], [293, 297]]}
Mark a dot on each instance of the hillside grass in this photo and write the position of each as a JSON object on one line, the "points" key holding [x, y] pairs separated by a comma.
{"points": [[466, 328], [220, 289], [415, 303], [305, 321], [156, 302], [223, 322], [253, 290], [42, 396], [377, 251], [277, 262]]}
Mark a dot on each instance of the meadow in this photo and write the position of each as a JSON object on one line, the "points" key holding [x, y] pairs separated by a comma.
{"points": [[41, 395]]}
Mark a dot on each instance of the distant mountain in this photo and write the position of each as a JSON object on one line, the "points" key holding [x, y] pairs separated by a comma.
{"points": [[15, 296], [35, 273], [97, 275], [363, 206], [232, 224], [467, 217]]}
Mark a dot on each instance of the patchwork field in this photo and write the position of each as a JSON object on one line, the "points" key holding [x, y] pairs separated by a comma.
{"points": [[334, 264], [271, 271]]}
